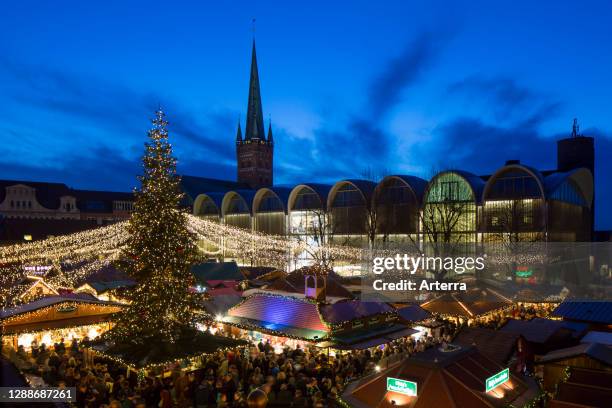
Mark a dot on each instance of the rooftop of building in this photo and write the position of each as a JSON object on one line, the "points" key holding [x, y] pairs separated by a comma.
{"points": [[48, 195], [584, 388], [588, 311], [286, 313], [495, 344], [541, 330], [479, 299], [216, 271], [294, 283], [595, 351], [443, 378]]}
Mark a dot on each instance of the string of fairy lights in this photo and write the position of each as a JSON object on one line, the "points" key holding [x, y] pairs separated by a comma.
{"points": [[77, 256]]}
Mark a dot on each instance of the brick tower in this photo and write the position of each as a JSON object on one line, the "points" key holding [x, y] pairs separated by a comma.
{"points": [[255, 152]]}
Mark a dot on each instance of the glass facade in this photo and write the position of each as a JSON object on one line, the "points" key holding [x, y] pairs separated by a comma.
{"points": [[349, 211], [270, 214], [449, 212], [514, 207], [308, 220], [237, 213], [397, 208], [516, 204], [207, 209]]}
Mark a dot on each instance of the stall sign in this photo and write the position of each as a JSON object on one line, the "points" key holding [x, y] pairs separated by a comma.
{"points": [[402, 386], [497, 379], [37, 270]]}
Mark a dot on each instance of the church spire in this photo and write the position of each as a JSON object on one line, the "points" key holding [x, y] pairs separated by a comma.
{"points": [[270, 138], [254, 152], [254, 125], [239, 133]]}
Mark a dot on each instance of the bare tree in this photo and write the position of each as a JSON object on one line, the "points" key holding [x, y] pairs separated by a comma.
{"points": [[315, 237], [447, 220], [381, 222]]}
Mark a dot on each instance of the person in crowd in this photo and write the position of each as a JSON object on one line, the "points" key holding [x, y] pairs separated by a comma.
{"points": [[299, 376]]}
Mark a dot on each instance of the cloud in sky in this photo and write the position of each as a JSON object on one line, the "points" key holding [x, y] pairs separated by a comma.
{"points": [[95, 129], [509, 118], [505, 100], [362, 141], [404, 70]]}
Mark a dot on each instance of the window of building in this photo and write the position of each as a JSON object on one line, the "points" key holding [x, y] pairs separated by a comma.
{"points": [[449, 190], [495, 221]]}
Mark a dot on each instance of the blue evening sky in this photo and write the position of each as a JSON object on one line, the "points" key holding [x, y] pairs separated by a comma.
{"points": [[401, 87]]}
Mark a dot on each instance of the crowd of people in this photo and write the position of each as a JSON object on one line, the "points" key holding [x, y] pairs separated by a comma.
{"points": [[295, 377]]}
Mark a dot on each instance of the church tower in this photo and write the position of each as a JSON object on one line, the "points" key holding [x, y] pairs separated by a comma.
{"points": [[254, 151]]}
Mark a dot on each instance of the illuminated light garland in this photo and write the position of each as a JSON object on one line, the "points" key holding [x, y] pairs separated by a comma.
{"points": [[105, 244], [462, 305], [85, 253], [191, 359], [39, 312], [37, 281], [7, 329], [59, 332]]}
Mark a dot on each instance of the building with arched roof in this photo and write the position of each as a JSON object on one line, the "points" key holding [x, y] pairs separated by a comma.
{"points": [[270, 206], [208, 206], [349, 203], [570, 205], [307, 207], [450, 207], [308, 217], [514, 205], [236, 208], [520, 204], [517, 203], [397, 202]]}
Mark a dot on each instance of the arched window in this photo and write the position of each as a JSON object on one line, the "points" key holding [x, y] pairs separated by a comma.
{"points": [[397, 208], [348, 210], [237, 212], [269, 212], [513, 209], [449, 212]]}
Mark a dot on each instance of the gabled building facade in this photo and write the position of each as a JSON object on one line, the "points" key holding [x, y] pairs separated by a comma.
{"points": [[31, 210]]}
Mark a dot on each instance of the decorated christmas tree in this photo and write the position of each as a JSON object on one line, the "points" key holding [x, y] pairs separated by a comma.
{"points": [[159, 251], [158, 326]]}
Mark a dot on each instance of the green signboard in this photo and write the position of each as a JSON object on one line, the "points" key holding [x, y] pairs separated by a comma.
{"points": [[497, 379], [402, 386], [522, 271]]}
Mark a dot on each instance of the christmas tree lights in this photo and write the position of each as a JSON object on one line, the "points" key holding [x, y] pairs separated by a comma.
{"points": [[158, 252]]}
